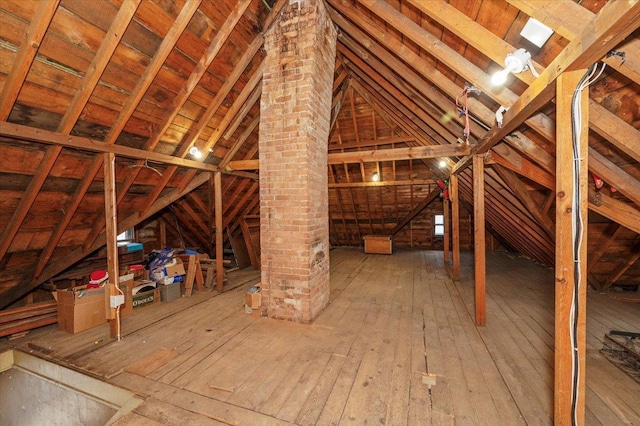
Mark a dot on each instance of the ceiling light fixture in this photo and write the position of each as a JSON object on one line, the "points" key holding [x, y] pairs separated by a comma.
{"points": [[515, 62], [536, 32], [442, 164], [375, 177], [195, 152]]}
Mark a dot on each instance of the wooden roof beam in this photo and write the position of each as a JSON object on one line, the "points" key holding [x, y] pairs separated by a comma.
{"points": [[381, 183], [416, 210], [127, 110], [25, 56], [627, 184], [395, 154], [618, 211], [99, 62], [623, 267], [566, 18], [178, 102], [32, 134], [517, 140], [241, 140], [408, 105], [615, 22], [14, 293], [519, 190], [376, 142], [181, 98]]}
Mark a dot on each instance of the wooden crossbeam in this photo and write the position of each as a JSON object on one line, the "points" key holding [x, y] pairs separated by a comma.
{"points": [[372, 142], [410, 153], [32, 134], [333, 185], [395, 154], [567, 18], [518, 140], [613, 24]]}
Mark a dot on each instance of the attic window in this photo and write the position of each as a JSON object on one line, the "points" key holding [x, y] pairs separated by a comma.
{"points": [[438, 225], [127, 236]]}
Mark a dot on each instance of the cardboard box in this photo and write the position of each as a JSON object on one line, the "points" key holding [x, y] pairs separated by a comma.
{"points": [[173, 270], [146, 298], [126, 286], [378, 244], [81, 308], [253, 300], [169, 292]]}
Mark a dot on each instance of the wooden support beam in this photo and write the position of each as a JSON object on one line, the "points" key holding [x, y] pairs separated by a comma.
{"points": [[606, 238], [613, 24], [625, 214], [455, 225], [479, 255], [371, 156], [518, 140], [567, 19], [13, 293], [416, 210], [624, 182], [32, 134], [623, 267], [240, 141], [381, 183], [447, 231], [570, 295], [110, 209], [615, 130], [371, 142], [25, 56], [523, 195], [217, 188]]}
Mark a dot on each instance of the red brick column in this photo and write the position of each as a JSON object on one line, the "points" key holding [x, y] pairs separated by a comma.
{"points": [[295, 111]]}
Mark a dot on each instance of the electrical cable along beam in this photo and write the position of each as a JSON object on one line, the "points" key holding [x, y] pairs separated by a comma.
{"points": [[611, 26]]}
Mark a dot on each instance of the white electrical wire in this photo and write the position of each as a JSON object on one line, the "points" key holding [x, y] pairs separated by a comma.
{"points": [[118, 314], [532, 68], [577, 227]]}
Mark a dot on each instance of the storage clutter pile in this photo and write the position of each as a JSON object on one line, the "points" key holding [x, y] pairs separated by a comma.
{"points": [[157, 279], [167, 272]]}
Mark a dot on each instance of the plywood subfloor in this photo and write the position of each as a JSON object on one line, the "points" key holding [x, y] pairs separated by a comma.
{"points": [[392, 319]]}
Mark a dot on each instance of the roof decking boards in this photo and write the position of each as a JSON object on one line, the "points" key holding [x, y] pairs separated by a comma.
{"points": [[148, 80]]}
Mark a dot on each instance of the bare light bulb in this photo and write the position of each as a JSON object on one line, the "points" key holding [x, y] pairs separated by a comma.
{"points": [[375, 177], [442, 164], [515, 62], [195, 152]]}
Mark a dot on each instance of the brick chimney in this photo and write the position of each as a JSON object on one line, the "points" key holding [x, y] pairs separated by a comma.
{"points": [[295, 111]]}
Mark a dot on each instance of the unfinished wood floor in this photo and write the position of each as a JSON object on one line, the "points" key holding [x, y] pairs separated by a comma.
{"points": [[202, 360]]}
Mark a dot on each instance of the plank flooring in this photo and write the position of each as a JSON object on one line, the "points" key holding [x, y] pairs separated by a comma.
{"points": [[391, 321]]}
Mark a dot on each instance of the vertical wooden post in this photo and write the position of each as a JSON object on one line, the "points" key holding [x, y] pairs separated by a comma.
{"points": [[447, 233], [479, 247], [163, 233], [212, 214], [455, 225], [570, 347], [217, 188], [111, 216]]}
